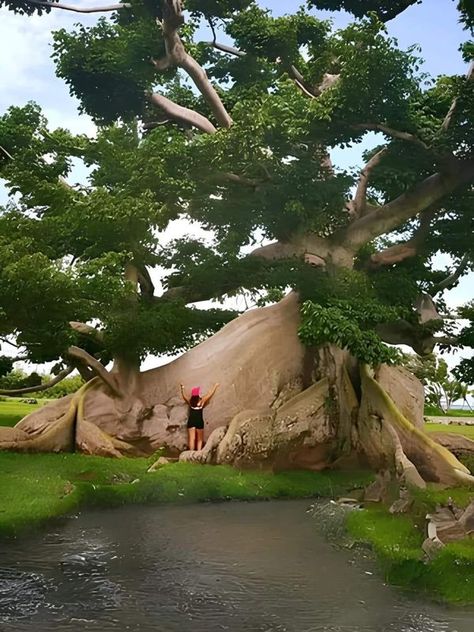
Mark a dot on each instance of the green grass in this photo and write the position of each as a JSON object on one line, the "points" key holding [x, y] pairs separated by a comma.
{"points": [[36, 487], [396, 540], [433, 411], [12, 410], [466, 431]]}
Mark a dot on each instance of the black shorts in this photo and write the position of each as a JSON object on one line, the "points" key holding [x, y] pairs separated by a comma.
{"points": [[195, 423]]}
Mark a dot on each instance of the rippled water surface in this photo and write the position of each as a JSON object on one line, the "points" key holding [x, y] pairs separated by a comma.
{"points": [[203, 568]]}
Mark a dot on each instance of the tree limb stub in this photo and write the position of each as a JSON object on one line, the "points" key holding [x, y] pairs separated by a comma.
{"points": [[98, 368], [76, 9], [182, 114], [41, 387], [387, 217]]}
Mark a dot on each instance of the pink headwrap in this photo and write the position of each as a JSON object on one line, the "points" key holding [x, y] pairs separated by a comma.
{"points": [[196, 391]]}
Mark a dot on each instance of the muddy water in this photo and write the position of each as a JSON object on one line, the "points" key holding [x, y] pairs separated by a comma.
{"points": [[203, 568]]}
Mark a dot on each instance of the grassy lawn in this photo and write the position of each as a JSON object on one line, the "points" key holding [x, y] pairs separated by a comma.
{"points": [[432, 411], [12, 410], [36, 487], [467, 431]]}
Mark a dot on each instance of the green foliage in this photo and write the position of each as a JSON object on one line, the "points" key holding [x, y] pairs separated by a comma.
{"points": [[108, 67], [385, 10], [342, 325], [6, 365]]}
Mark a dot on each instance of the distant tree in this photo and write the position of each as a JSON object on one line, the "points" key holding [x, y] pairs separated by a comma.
{"points": [[441, 389]]}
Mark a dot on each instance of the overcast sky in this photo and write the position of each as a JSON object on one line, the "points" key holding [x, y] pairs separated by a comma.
{"points": [[28, 74]]}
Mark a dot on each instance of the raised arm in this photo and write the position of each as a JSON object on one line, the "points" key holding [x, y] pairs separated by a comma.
{"points": [[208, 396], [183, 395]]}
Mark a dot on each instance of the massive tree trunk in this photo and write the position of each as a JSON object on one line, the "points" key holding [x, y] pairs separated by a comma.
{"points": [[280, 405]]}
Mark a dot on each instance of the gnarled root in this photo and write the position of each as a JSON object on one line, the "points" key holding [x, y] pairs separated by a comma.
{"points": [[388, 438], [68, 432]]}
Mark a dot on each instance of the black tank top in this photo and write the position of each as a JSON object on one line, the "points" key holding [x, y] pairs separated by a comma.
{"points": [[195, 414]]}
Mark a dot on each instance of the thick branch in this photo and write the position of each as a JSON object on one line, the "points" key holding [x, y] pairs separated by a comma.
{"points": [[360, 198], [450, 280], [98, 368], [182, 114], [201, 80], [76, 9], [41, 387], [177, 55], [400, 252], [394, 133], [387, 217]]}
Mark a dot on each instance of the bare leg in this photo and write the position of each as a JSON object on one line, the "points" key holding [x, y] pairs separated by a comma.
{"points": [[191, 438], [200, 437]]}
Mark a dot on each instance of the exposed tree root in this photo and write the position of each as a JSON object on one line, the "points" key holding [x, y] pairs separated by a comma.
{"points": [[67, 433], [379, 418]]}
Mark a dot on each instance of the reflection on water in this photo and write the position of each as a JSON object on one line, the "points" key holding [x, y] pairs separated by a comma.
{"points": [[203, 568]]}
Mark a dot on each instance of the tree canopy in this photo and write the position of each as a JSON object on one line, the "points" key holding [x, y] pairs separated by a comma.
{"points": [[236, 133]]}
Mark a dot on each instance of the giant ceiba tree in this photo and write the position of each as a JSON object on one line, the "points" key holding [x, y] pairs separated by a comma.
{"points": [[236, 133]]}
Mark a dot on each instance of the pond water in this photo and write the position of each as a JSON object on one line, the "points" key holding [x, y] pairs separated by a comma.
{"points": [[203, 568]]}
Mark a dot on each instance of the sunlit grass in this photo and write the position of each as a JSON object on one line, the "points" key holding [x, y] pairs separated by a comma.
{"points": [[13, 410], [465, 430], [35, 487]]}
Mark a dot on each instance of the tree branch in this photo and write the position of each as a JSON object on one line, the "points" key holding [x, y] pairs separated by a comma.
{"points": [[6, 153], [182, 114], [400, 252], [390, 131], [450, 280], [71, 7], [360, 198], [87, 330], [144, 281], [387, 217], [447, 120], [222, 47], [41, 387], [98, 368], [177, 55]]}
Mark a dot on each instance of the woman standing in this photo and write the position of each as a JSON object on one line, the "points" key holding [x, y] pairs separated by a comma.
{"points": [[195, 424]]}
